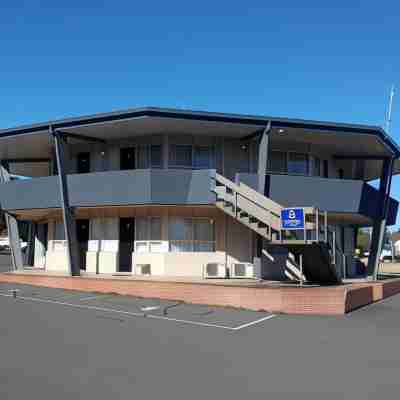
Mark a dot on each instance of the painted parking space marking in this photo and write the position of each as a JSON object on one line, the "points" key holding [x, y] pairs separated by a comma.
{"points": [[97, 296], [150, 308], [141, 314], [257, 321]]}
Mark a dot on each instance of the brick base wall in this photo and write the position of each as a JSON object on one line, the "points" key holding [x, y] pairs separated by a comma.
{"points": [[291, 300]]}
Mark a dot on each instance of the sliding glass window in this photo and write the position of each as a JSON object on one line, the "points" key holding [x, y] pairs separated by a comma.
{"points": [[277, 162], [188, 156], [298, 163], [191, 234], [149, 156]]}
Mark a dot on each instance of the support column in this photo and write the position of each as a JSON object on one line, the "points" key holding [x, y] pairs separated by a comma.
{"points": [[68, 218], [12, 227], [263, 159], [379, 227], [29, 256], [165, 151], [262, 177]]}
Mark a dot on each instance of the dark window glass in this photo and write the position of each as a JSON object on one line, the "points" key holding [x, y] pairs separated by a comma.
{"points": [[156, 156], [326, 169], [277, 162], [317, 167], [298, 163], [203, 157], [182, 156]]}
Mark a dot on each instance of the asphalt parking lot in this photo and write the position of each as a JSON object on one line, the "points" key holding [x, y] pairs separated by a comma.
{"points": [[62, 344]]}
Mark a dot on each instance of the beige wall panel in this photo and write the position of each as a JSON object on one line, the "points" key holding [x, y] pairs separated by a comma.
{"points": [[156, 260], [190, 264], [108, 262], [92, 262], [56, 261]]}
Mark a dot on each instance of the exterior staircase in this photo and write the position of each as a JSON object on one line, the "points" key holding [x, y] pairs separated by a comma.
{"points": [[313, 245]]}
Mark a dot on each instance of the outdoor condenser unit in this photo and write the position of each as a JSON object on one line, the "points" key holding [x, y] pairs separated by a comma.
{"points": [[242, 270], [215, 270]]}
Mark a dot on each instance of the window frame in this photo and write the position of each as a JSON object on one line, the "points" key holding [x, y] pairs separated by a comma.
{"points": [[148, 233], [307, 173], [192, 242], [172, 159]]}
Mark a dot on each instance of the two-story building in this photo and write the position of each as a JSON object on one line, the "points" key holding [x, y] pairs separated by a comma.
{"points": [[133, 192]]}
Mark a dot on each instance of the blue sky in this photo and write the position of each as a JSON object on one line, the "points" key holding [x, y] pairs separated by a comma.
{"points": [[306, 59]]}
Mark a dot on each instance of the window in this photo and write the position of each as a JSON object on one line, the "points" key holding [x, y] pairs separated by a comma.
{"points": [[298, 163], [149, 156], [188, 156], [59, 232], [191, 234], [277, 162], [155, 156], [203, 235], [317, 166], [148, 228], [180, 234], [181, 156], [203, 156]]}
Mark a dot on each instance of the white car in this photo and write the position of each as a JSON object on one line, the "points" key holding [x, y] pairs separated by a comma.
{"points": [[386, 255], [5, 244]]}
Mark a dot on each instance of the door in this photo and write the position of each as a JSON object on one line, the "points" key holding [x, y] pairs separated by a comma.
{"points": [[127, 158], [83, 163], [126, 242], [326, 169], [82, 236]]}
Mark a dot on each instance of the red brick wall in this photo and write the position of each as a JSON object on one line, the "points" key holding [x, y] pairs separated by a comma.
{"points": [[291, 300]]}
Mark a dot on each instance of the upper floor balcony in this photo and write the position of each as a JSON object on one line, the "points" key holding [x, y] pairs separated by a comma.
{"points": [[348, 201], [163, 156]]}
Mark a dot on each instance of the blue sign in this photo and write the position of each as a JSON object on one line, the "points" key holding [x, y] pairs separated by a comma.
{"points": [[292, 218]]}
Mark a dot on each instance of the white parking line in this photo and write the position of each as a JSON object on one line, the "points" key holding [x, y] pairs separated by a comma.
{"points": [[237, 328], [134, 314], [93, 297]]}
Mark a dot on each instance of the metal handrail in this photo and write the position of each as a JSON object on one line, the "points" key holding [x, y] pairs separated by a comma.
{"points": [[318, 227], [337, 253], [236, 191]]}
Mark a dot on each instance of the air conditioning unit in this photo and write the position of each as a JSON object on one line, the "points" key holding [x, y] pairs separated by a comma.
{"points": [[242, 270], [143, 269], [215, 270]]}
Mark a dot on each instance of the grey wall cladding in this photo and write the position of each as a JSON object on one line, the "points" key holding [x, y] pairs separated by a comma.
{"points": [[133, 187], [334, 195]]}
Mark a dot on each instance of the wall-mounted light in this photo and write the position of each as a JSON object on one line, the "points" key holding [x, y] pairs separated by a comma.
{"points": [[244, 147], [102, 153], [281, 131]]}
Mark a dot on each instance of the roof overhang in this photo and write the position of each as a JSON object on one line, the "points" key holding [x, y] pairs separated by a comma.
{"points": [[34, 141]]}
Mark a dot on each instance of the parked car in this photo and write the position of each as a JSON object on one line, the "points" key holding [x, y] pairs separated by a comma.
{"points": [[5, 245], [386, 254]]}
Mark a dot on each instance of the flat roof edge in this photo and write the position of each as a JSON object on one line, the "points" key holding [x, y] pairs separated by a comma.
{"points": [[245, 119]]}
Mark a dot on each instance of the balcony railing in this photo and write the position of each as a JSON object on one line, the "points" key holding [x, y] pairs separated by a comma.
{"points": [[111, 188]]}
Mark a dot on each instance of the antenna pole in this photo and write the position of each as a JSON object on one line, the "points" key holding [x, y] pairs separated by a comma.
{"points": [[389, 113]]}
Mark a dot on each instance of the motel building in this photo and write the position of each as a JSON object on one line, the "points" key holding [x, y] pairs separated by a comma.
{"points": [[175, 193]]}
